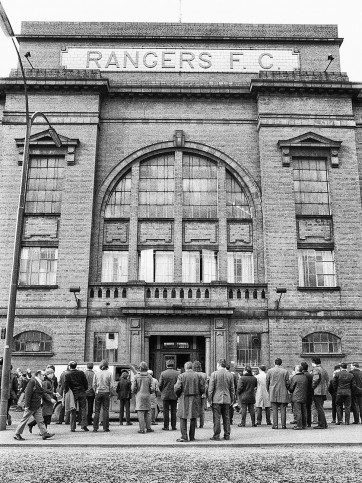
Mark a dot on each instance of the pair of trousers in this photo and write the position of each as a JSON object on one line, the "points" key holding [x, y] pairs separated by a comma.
{"points": [[247, 407], [90, 405], [183, 428], [259, 417], [309, 413], [334, 408], [221, 411], [319, 402], [283, 413], [124, 404], [47, 420], [102, 400], [300, 414], [144, 419], [37, 415], [357, 407], [169, 405], [343, 400], [81, 399]]}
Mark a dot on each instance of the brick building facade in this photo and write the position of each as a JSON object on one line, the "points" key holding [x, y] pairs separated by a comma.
{"points": [[203, 168]]}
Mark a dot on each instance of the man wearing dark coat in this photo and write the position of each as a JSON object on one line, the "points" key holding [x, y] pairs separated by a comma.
{"points": [[344, 385], [357, 395], [77, 382], [221, 394], [320, 389], [124, 392], [299, 389], [166, 384], [188, 388], [246, 394], [34, 393], [309, 402]]}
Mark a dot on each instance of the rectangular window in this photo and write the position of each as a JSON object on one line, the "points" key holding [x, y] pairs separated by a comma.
{"points": [[115, 266], [311, 187], [45, 185], [199, 187], [316, 268], [156, 187], [199, 266], [156, 266], [248, 349], [240, 267], [38, 266], [105, 346]]}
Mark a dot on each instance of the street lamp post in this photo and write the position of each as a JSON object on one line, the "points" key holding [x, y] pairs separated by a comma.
{"points": [[5, 380]]}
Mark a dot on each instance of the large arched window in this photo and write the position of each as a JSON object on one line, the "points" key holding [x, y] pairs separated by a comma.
{"points": [[33, 341], [321, 343], [180, 196]]}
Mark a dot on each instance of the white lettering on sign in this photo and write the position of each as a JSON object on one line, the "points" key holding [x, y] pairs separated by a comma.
{"points": [[179, 60]]}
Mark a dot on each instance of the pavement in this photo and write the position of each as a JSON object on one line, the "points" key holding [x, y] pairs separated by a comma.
{"points": [[127, 436]]}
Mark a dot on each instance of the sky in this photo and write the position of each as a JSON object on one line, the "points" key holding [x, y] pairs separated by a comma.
{"points": [[344, 14]]}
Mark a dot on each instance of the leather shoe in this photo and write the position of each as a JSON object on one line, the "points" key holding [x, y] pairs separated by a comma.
{"points": [[48, 435], [85, 428], [180, 440], [319, 427], [165, 429], [18, 437], [150, 431], [141, 431], [227, 438], [129, 424], [297, 428], [215, 438], [284, 427], [275, 427], [106, 430], [30, 428]]}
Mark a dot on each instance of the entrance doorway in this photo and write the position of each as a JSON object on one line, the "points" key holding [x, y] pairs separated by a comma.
{"points": [[180, 349]]}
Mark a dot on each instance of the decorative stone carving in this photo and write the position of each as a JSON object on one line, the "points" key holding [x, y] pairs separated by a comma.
{"points": [[179, 139], [41, 228], [135, 324], [155, 232], [315, 230], [200, 233], [219, 323], [116, 233], [240, 234]]}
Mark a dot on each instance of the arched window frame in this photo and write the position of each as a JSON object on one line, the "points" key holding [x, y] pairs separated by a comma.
{"points": [[316, 343], [24, 339]]}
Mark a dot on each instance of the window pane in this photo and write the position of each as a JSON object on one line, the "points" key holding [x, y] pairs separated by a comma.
{"points": [[311, 187], [237, 204], [316, 268], [199, 187], [156, 187], [105, 346], [44, 193], [115, 266], [240, 267], [119, 202], [33, 341], [248, 349], [38, 266], [321, 342]]}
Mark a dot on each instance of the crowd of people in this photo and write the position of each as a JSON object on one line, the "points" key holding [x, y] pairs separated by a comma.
{"points": [[85, 397]]}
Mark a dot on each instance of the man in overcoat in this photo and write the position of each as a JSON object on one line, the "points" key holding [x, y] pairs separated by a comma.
{"points": [[299, 389], [357, 396], [277, 384], [344, 385], [166, 384], [320, 388], [34, 393], [221, 394], [188, 388], [77, 382], [246, 388]]}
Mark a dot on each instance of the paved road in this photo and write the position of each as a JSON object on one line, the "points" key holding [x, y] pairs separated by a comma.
{"points": [[126, 436]]}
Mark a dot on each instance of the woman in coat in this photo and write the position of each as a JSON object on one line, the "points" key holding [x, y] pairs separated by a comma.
{"points": [[262, 397], [246, 395], [142, 387]]}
